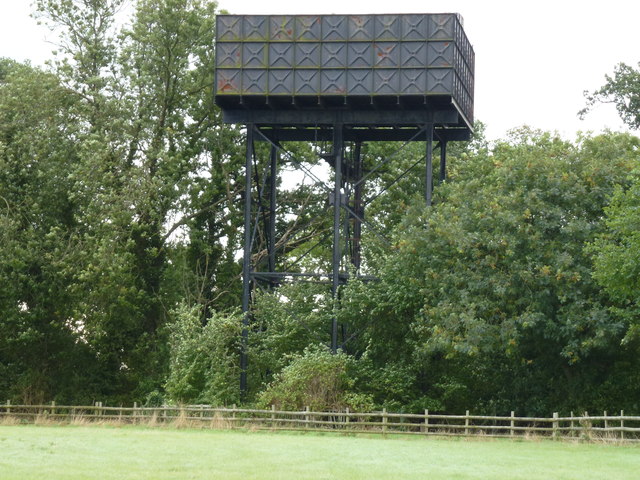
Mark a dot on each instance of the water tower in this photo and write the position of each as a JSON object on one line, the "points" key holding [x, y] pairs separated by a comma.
{"points": [[343, 79]]}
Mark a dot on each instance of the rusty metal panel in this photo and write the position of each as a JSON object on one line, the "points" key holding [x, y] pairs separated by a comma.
{"points": [[281, 55], [281, 28], [361, 28], [308, 28], [386, 55], [228, 82], [386, 82], [335, 28], [307, 82], [307, 55], [334, 55], [229, 55], [440, 54], [333, 82], [359, 82]]}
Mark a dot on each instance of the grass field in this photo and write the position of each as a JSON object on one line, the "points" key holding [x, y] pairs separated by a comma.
{"points": [[91, 452]]}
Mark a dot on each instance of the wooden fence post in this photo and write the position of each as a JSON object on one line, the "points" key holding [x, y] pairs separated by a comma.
{"points": [[53, 408], [8, 407], [555, 425], [572, 425], [513, 424], [606, 423], [384, 420], [621, 425], [347, 418], [426, 421], [466, 423], [306, 417], [135, 411], [586, 426], [273, 416]]}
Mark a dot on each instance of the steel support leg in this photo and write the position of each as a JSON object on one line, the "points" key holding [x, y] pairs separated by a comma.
{"points": [[443, 161], [356, 258], [429, 165], [337, 200], [246, 264], [271, 238]]}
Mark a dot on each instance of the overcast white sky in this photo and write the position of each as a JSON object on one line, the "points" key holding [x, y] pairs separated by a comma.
{"points": [[533, 58]]}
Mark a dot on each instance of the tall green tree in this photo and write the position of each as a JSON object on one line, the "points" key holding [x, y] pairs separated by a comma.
{"points": [[615, 251], [43, 351], [145, 133]]}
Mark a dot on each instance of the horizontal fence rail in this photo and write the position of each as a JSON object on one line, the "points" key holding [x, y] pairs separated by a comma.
{"points": [[585, 427]]}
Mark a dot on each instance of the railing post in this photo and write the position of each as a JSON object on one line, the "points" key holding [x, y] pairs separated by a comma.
{"points": [[621, 424], [8, 407], [273, 416], [586, 426], [346, 416], [466, 423], [572, 425], [306, 417], [555, 425], [426, 421], [606, 423], [53, 408], [512, 424], [384, 420], [135, 411], [233, 413]]}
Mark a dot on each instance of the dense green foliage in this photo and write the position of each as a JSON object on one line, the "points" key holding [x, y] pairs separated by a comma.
{"points": [[488, 298], [204, 358], [316, 379], [121, 228], [104, 163]]}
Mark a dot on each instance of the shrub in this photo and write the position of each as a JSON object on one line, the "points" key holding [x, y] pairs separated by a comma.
{"points": [[317, 379], [204, 358]]}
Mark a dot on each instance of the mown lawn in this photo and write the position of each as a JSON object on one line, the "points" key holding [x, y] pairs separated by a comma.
{"points": [[92, 452]]}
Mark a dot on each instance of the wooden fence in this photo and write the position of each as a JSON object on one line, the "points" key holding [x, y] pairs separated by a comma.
{"points": [[587, 427]]}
